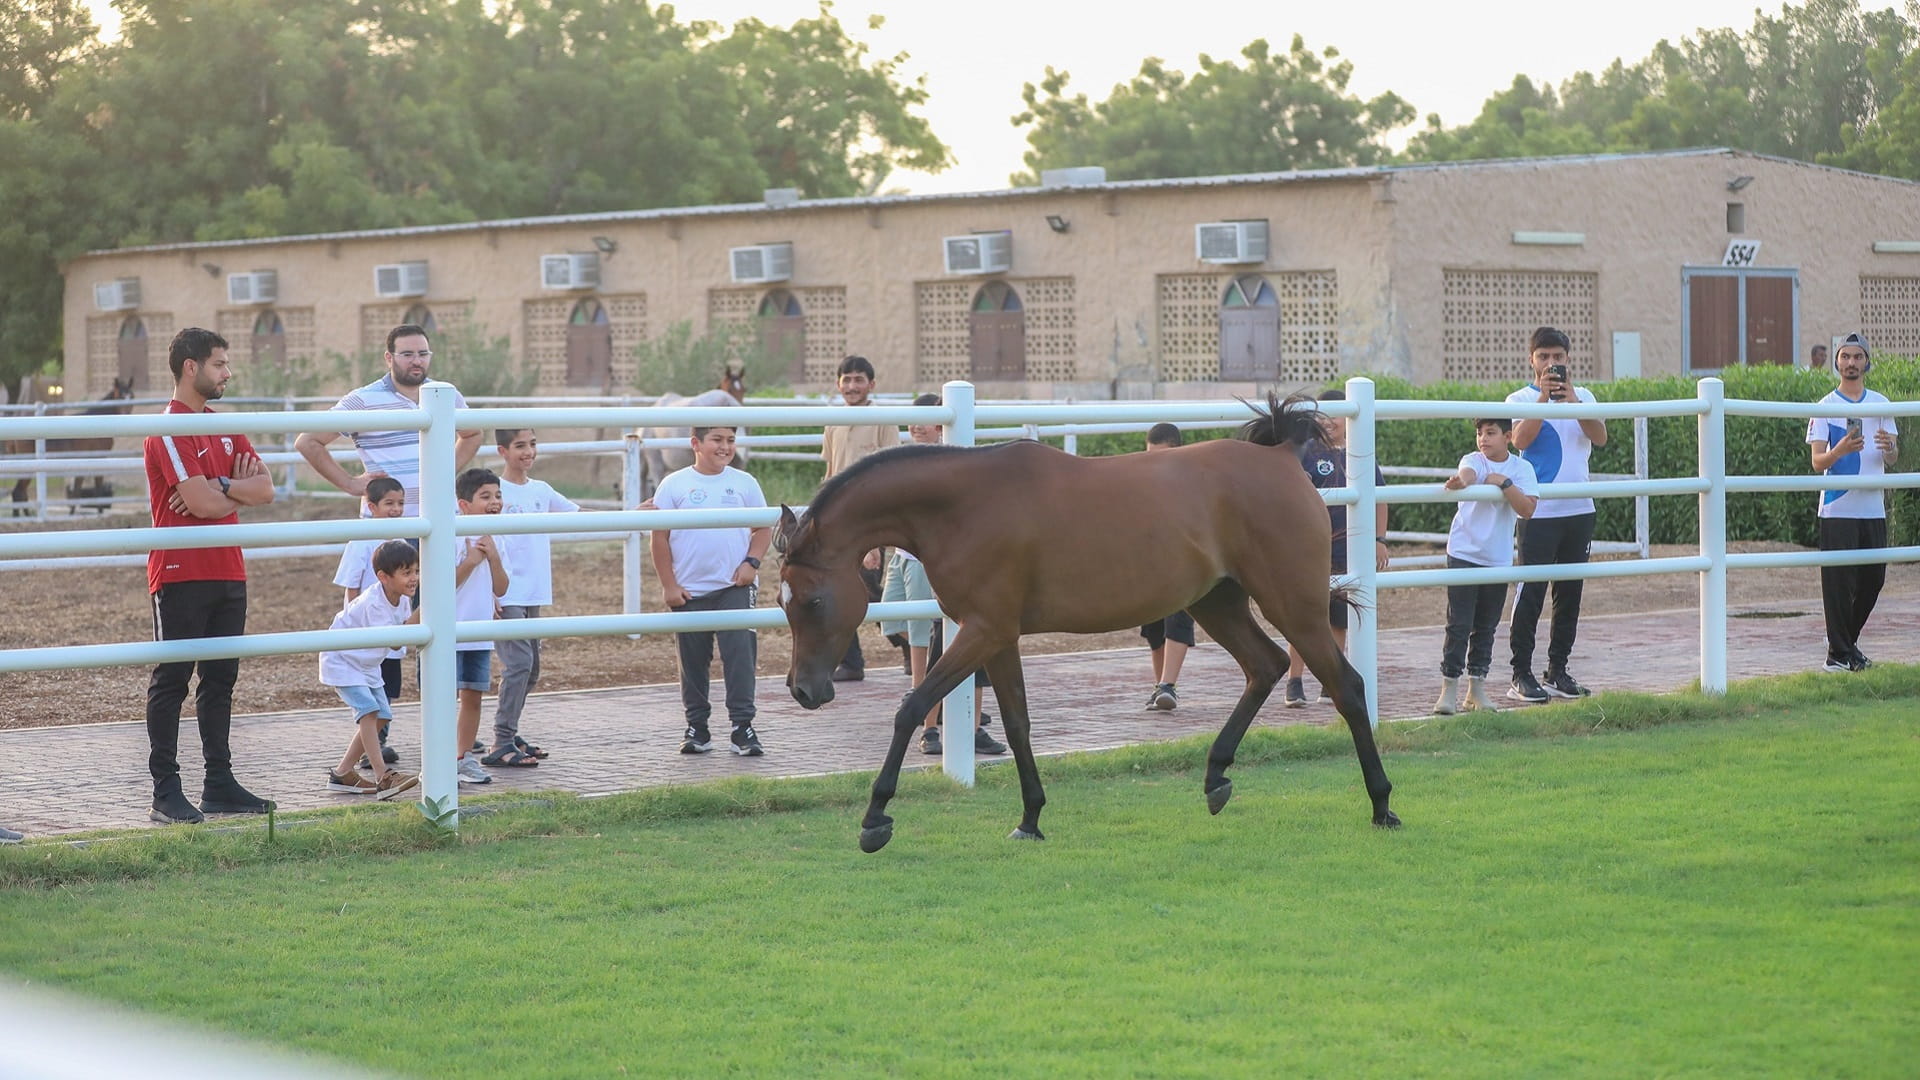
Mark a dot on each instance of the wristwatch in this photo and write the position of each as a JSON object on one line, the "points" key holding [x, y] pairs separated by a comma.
{"points": [[1506, 482], [751, 561], [226, 486]]}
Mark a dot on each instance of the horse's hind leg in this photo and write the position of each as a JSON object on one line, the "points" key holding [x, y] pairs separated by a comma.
{"points": [[960, 660], [1225, 616], [1010, 690], [1329, 665]]}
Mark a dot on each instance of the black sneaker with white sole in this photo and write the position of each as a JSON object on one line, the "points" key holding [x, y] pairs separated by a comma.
{"points": [[1526, 688], [1296, 694], [745, 742], [172, 808], [1839, 665], [1561, 684], [1860, 661], [697, 742]]}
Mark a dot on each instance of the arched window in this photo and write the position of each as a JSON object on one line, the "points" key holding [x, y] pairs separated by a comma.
{"points": [[589, 346], [133, 352], [421, 316], [1249, 331], [997, 334], [783, 334]]}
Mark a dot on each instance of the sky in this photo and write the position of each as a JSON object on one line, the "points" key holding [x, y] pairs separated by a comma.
{"points": [[1443, 58]]}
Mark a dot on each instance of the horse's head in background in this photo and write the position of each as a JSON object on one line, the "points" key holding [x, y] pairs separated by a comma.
{"points": [[824, 605], [733, 379]]}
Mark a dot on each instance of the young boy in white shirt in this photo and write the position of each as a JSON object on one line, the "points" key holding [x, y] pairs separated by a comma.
{"points": [[712, 570], [531, 588], [480, 579], [1482, 535], [354, 674], [386, 498]]}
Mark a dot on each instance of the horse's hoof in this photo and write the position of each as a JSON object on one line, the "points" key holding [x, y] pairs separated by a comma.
{"points": [[1386, 820], [1217, 798], [872, 840], [1022, 834]]}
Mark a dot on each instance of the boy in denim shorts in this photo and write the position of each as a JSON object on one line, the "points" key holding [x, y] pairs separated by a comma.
{"points": [[479, 581], [354, 674]]}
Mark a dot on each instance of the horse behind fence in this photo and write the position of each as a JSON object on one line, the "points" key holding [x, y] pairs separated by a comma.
{"points": [[97, 490]]}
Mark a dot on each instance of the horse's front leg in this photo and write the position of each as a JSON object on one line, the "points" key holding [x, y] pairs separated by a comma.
{"points": [[1010, 690], [959, 661]]}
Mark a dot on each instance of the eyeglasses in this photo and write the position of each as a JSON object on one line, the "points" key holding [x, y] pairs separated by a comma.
{"points": [[423, 354]]}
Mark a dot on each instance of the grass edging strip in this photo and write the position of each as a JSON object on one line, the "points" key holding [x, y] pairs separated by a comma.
{"points": [[387, 829]]}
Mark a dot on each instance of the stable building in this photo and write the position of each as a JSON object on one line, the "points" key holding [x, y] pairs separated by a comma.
{"points": [[1685, 261]]}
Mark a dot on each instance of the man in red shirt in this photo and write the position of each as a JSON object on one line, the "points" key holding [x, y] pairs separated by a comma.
{"points": [[198, 592]]}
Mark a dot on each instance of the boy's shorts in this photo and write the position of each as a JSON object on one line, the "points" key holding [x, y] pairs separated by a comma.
{"points": [[473, 669], [907, 580], [365, 699], [1177, 627]]}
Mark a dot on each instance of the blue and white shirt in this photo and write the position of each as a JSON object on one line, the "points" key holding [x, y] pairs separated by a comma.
{"points": [[1868, 461], [1558, 454], [395, 453]]}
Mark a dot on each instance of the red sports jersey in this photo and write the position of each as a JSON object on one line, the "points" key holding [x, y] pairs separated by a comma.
{"points": [[171, 459]]}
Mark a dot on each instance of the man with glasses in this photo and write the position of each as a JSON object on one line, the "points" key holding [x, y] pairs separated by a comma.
{"points": [[388, 453]]}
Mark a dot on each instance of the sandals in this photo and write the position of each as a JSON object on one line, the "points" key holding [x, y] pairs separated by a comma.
{"points": [[528, 748], [511, 757]]}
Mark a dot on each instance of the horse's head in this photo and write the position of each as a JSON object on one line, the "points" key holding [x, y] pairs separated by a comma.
{"points": [[122, 389], [824, 606], [733, 379]]}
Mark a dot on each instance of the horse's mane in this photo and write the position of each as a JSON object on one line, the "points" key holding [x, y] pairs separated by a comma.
{"points": [[831, 491], [1283, 423]]}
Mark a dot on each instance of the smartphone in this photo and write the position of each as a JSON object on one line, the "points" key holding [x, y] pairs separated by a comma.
{"points": [[1853, 427], [1558, 372]]}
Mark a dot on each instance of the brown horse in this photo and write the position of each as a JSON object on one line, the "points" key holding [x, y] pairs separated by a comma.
{"points": [[1024, 539], [96, 487]]}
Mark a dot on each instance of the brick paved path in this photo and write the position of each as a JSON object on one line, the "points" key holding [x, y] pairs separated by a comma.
{"points": [[94, 776]]}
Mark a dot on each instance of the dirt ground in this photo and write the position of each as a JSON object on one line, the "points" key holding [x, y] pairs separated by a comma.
{"points": [[46, 608]]}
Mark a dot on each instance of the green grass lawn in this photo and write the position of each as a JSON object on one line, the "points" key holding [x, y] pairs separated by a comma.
{"points": [[1723, 897]]}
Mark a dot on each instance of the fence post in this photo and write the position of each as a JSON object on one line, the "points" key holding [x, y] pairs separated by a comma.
{"points": [[1072, 444], [633, 547], [1713, 537], [439, 788], [1642, 468], [1363, 633], [40, 478], [956, 750]]}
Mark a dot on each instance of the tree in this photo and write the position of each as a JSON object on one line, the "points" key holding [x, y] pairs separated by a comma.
{"points": [[1278, 111]]}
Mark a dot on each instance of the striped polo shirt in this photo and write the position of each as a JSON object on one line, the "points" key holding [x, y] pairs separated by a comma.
{"points": [[394, 453]]}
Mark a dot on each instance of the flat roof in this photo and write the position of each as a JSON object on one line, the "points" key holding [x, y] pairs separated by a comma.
{"points": [[1295, 176]]}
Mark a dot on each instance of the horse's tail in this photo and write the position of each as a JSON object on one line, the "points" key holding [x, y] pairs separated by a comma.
{"points": [[1345, 595], [1292, 422]]}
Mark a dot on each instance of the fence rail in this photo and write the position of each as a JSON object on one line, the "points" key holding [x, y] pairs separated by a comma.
{"points": [[439, 524]]}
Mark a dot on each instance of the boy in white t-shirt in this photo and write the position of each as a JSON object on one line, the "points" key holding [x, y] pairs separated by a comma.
{"points": [[385, 499], [1482, 535], [712, 570], [531, 588], [480, 579], [354, 674], [1855, 519]]}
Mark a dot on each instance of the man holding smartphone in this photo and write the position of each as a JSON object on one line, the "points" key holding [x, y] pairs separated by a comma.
{"points": [[1857, 519], [1561, 530]]}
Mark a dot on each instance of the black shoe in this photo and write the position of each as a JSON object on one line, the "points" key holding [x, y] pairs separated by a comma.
{"points": [[930, 742], [697, 741], [745, 742], [1526, 688], [1859, 661], [228, 797], [1296, 694], [389, 755], [984, 743], [1561, 684], [172, 808], [1165, 699], [844, 673]]}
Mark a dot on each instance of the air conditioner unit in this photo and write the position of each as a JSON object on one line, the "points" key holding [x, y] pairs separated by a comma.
{"points": [[761, 263], [1231, 242], [120, 295], [393, 280], [570, 271], [979, 253], [254, 287]]}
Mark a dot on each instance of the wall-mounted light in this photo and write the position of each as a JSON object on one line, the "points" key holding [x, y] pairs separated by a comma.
{"points": [[1549, 239], [1058, 223], [1896, 247], [605, 245], [1739, 182], [212, 270]]}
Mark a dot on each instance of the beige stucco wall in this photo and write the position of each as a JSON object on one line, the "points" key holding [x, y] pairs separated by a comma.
{"points": [[1387, 241], [1644, 219]]}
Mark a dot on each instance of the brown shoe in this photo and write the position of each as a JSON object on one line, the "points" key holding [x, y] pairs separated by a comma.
{"points": [[394, 783], [351, 783]]}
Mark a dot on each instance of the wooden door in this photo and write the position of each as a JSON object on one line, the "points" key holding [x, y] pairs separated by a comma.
{"points": [[1769, 327], [589, 347], [783, 334], [1713, 322], [269, 340], [997, 335], [1249, 331], [133, 353]]}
